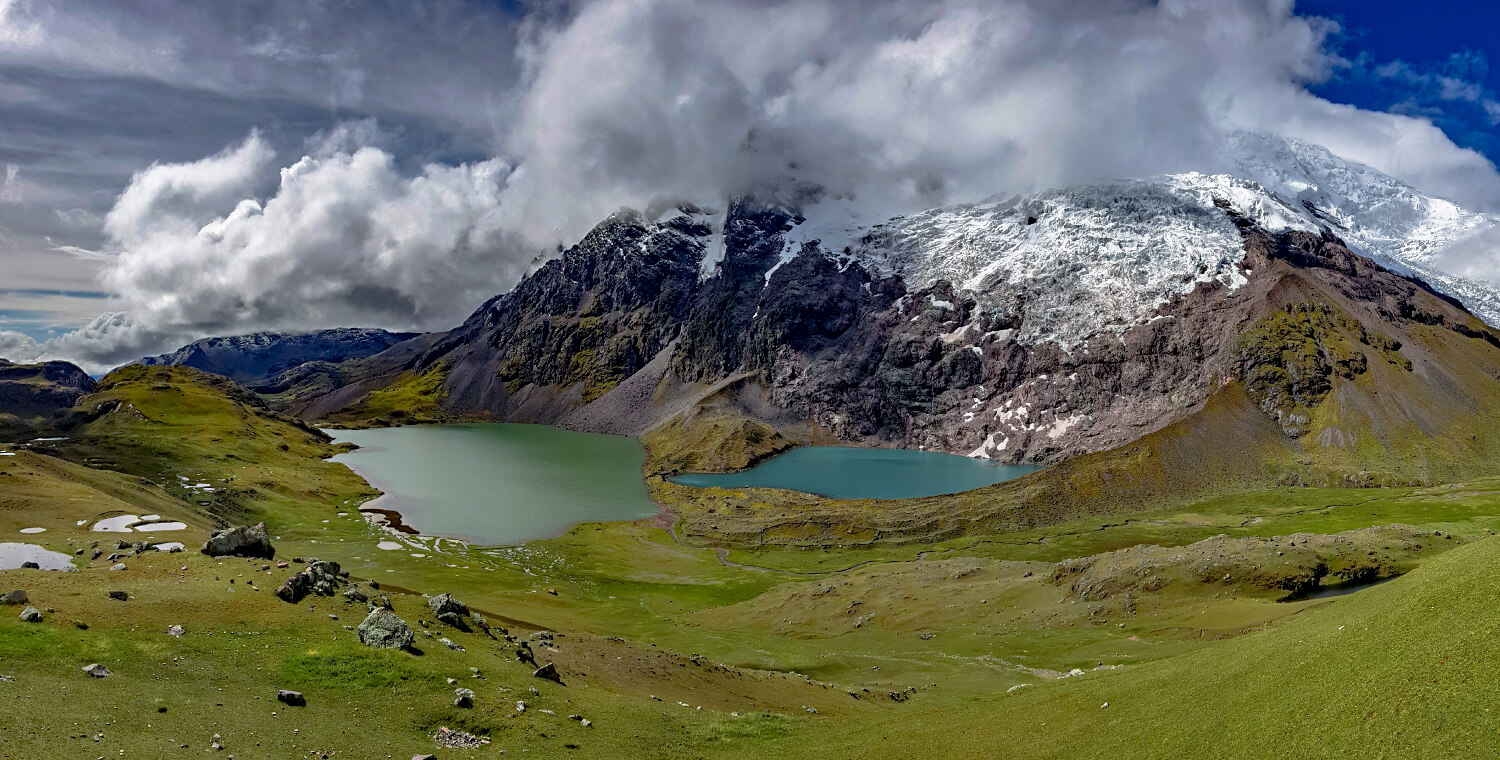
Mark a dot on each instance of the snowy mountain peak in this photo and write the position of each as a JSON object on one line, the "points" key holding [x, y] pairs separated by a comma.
{"points": [[1096, 258]]}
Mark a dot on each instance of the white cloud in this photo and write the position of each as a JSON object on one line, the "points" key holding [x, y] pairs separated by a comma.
{"points": [[344, 238]]}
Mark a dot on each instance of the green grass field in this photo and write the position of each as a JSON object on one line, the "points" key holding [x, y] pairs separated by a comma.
{"points": [[673, 650]]}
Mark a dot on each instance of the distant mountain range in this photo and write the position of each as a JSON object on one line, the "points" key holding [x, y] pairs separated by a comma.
{"points": [[253, 358]]}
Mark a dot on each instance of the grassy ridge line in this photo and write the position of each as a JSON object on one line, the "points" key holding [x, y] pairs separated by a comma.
{"points": [[167, 424]]}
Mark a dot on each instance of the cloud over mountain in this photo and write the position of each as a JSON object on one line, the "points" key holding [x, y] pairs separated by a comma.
{"points": [[903, 105]]}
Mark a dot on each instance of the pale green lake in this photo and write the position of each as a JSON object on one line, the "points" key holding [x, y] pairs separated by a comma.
{"points": [[499, 483]]}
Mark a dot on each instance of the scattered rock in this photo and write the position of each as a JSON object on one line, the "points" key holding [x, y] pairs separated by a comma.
{"points": [[463, 698], [119, 596], [478, 621], [14, 597], [117, 566], [293, 698], [524, 654], [321, 578], [97, 671], [31, 615], [451, 644], [383, 630], [383, 601], [447, 737], [7, 679], [240, 541], [354, 594], [175, 630], [549, 672], [449, 610], [30, 566]]}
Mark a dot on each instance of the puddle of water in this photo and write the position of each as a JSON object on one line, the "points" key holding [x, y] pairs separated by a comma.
{"points": [[389, 545], [169, 546], [117, 524], [33, 530], [153, 527], [13, 555], [150, 518], [1336, 589]]}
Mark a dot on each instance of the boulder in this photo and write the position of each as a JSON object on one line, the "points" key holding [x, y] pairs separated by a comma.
{"points": [[354, 594], [293, 698], [240, 541], [383, 630], [175, 630], [97, 671], [463, 698], [451, 644], [549, 672], [14, 597], [31, 615], [117, 566], [449, 610]]}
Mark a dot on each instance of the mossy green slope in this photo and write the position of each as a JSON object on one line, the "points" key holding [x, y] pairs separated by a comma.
{"points": [[178, 427], [1404, 670]]}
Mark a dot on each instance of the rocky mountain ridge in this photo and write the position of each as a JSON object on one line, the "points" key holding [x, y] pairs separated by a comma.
{"points": [[258, 357]]}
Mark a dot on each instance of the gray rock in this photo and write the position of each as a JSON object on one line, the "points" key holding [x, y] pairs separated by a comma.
{"points": [[293, 698], [14, 597], [97, 671], [119, 596], [451, 644], [449, 610], [549, 672], [175, 630], [240, 541], [463, 698], [354, 594], [321, 578], [383, 630], [31, 615], [117, 566]]}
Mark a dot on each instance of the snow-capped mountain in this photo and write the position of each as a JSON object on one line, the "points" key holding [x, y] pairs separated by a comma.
{"points": [[1032, 328], [1087, 259]]}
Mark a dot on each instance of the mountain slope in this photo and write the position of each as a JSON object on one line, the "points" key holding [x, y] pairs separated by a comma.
{"points": [[31, 393]]}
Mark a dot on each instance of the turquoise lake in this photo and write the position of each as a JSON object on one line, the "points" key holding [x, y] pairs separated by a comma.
{"points": [[499, 483], [840, 472]]}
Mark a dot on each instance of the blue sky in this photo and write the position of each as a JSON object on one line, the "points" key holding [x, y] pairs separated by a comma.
{"points": [[1458, 40]]}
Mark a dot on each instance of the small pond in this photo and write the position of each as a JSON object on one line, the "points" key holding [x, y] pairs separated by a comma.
{"points": [[496, 483], [13, 555], [841, 472]]}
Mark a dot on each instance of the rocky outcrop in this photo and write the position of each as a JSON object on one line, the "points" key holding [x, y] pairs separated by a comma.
{"points": [[319, 577], [240, 541]]}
